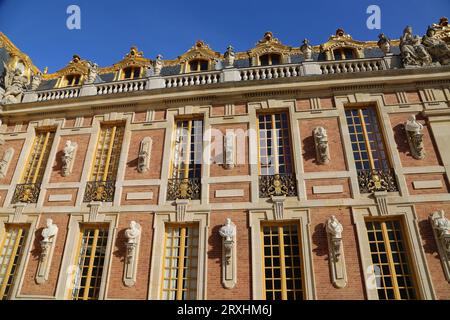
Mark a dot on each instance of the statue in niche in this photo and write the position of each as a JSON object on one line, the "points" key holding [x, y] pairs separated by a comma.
{"points": [[415, 137], [15, 85], [157, 65], [92, 72], [321, 142], [306, 49], [48, 233], [413, 52], [442, 226], [228, 232], [334, 227], [68, 157], [384, 43], [437, 48], [229, 56], [36, 81], [133, 232]]}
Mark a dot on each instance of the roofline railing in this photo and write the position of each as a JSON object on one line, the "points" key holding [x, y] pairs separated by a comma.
{"points": [[291, 70]]}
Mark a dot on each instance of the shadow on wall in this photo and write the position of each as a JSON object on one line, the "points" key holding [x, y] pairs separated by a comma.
{"points": [[133, 164], [120, 245], [309, 150], [36, 252], [58, 166], [426, 233], [319, 239], [400, 139]]}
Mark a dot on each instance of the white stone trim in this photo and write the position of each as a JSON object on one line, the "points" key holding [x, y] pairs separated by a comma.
{"points": [[412, 238], [70, 252], [160, 219], [427, 184], [139, 196], [328, 189], [229, 193], [303, 217], [59, 197]]}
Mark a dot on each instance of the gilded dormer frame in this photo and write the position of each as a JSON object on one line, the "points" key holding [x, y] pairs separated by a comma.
{"points": [[200, 51], [76, 66], [134, 58], [267, 45], [344, 41]]}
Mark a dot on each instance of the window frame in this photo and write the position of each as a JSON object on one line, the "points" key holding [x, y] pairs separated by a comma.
{"points": [[280, 225], [270, 56], [199, 65], [133, 68], [342, 50], [183, 226], [297, 216], [274, 139], [64, 81]]}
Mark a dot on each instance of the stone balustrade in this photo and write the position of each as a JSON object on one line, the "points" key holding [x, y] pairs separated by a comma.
{"points": [[306, 68]]}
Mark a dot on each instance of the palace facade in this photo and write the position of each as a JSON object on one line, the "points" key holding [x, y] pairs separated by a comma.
{"points": [[310, 172]]}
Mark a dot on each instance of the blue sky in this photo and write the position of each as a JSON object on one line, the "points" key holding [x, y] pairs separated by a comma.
{"points": [[109, 28]]}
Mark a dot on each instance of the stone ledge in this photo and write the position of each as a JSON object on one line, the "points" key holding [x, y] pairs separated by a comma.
{"points": [[229, 193], [427, 184], [139, 196], [328, 189]]}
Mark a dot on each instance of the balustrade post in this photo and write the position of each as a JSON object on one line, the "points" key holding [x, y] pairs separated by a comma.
{"points": [[230, 74], [29, 96], [311, 68], [88, 90], [155, 82]]}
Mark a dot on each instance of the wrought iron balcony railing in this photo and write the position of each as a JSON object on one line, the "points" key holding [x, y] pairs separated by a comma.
{"points": [[277, 185], [189, 188], [100, 191], [27, 192], [377, 180]]}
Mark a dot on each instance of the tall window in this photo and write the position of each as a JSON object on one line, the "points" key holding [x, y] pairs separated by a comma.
{"points": [[390, 259], [131, 73], [198, 65], [187, 149], [367, 140], [282, 262], [270, 59], [89, 262], [71, 80], [11, 251], [274, 144], [344, 54], [37, 160], [107, 154], [180, 262]]}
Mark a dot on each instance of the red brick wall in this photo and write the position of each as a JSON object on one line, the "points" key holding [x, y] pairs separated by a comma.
{"points": [[239, 169], [116, 288], [410, 178], [17, 145], [56, 175], [71, 191], [390, 98], [30, 287], [243, 288], [324, 287], [344, 182], [423, 210], [131, 172], [337, 162], [227, 186], [431, 157]]}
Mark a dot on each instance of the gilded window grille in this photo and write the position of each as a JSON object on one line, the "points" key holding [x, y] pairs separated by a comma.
{"points": [[11, 252], [185, 175], [180, 264], [89, 262], [275, 156], [391, 262], [369, 151], [101, 185], [29, 187], [282, 262]]}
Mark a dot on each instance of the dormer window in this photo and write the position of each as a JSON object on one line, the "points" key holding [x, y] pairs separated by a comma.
{"points": [[71, 80], [270, 59], [198, 65], [129, 73], [344, 54]]}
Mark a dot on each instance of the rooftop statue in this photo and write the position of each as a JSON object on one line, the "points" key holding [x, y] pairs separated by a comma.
{"points": [[15, 84], [92, 72], [36, 81], [306, 49], [438, 49], [157, 65], [413, 52], [384, 43]]}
